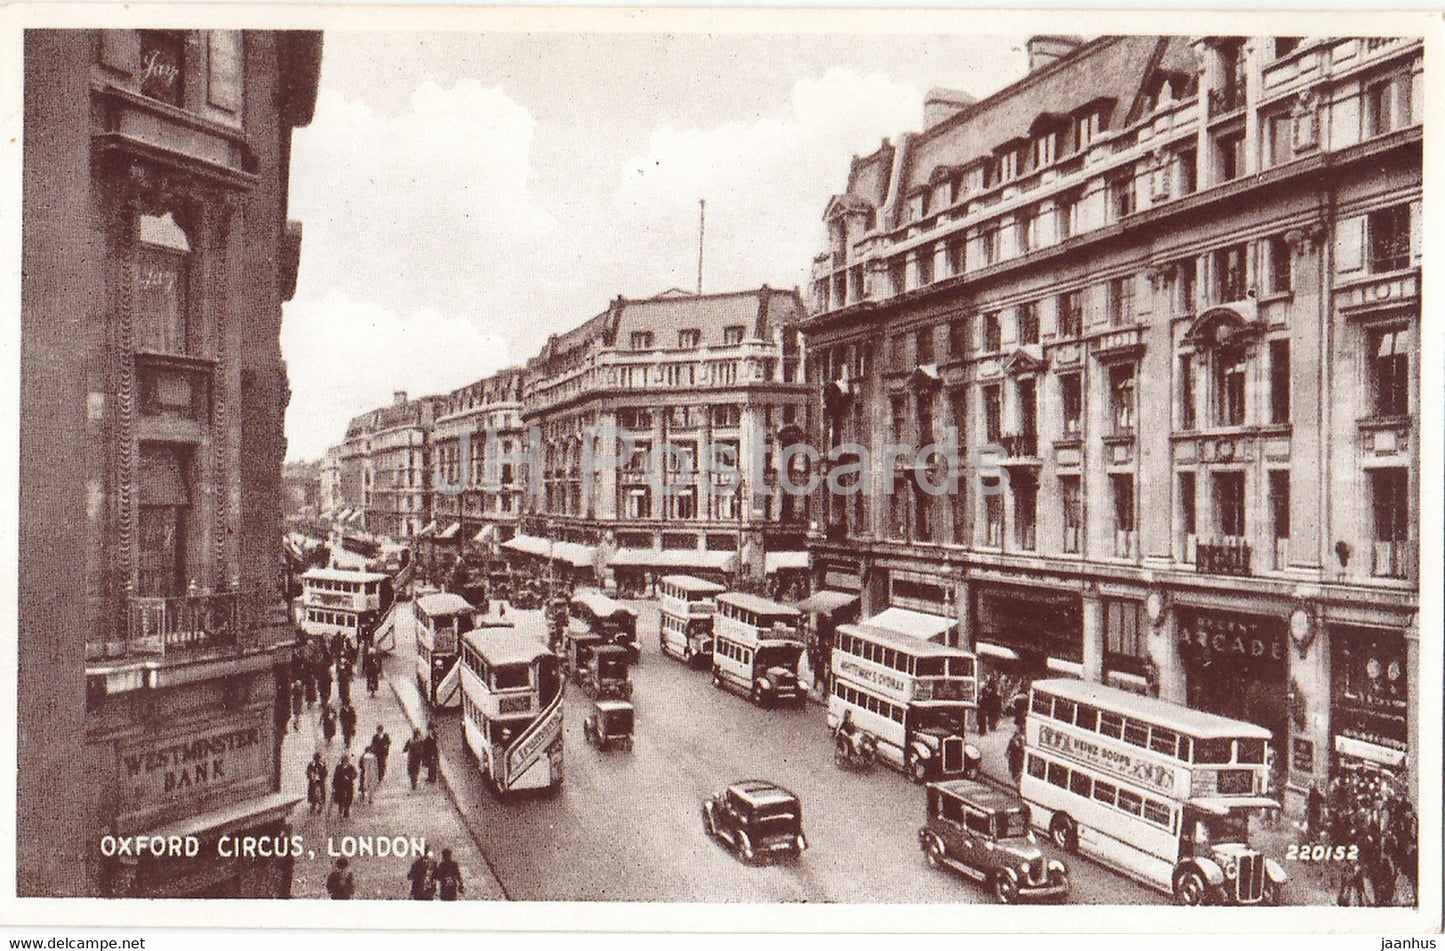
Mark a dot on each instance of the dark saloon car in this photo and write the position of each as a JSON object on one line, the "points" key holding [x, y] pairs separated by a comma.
{"points": [[984, 833], [756, 819]]}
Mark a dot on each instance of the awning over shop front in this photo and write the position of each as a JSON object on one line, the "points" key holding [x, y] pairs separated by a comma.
{"points": [[986, 649], [449, 532], [1373, 752], [355, 516], [576, 555], [487, 533], [928, 627], [251, 812], [650, 558], [342, 515], [775, 561], [427, 532], [826, 601], [527, 545]]}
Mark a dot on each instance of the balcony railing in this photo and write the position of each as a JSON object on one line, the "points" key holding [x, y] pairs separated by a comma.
{"points": [[191, 622], [1223, 556], [1023, 445]]}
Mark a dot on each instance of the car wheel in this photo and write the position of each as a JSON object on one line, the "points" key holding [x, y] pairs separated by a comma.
{"points": [[1190, 889], [627, 744], [917, 770], [1005, 889], [1065, 832], [934, 851], [1271, 893], [745, 848], [756, 696]]}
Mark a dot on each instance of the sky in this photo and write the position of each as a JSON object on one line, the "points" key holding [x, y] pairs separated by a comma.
{"points": [[464, 195]]}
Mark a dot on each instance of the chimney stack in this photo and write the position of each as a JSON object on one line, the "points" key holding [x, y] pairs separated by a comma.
{"points": [[942, 104], [398, 397], [1046, 48]]}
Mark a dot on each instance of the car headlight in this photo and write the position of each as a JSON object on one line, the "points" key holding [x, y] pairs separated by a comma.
{"points": [[1230, 867], [765, 684], [802, 843], [1057, 868]]}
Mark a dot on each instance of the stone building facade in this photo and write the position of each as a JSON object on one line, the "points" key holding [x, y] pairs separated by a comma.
{"points": [[1165, 293], [153, 631]]}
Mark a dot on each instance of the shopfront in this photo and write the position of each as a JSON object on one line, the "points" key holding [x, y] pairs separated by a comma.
{"points": [[1026, 633], [1370, 696], [1236, 665]]}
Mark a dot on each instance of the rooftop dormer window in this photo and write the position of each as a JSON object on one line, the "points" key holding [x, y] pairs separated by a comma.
{"points": [[733, 335], [689, 339], [641, 340]]}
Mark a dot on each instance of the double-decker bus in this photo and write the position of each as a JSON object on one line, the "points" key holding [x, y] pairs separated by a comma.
{"points": [[395, 561], [512, 709], [592, 612], [688, 605], [756, 645], [441, 621], [910, 694], [1158, 792], [335, 600]]}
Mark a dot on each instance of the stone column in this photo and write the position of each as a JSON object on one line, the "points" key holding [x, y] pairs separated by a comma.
{"points": [[1168, 659], [1093, 633]]}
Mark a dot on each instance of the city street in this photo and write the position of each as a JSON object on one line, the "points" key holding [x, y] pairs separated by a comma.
{"points": [[627, 826]]}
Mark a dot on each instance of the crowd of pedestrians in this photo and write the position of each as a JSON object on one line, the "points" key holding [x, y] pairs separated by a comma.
{"points": [[1368, 812]]}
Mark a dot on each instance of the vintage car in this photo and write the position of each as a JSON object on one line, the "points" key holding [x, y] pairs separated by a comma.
{"points": [[577, 648], [609, 725], [604, 672], [983, 833], [756, 819]]}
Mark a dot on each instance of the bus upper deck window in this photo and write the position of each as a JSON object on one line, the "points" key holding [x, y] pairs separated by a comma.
{"points": [[1136, 733], [1063, 710], [1043, 703], [1087, 717], [1212, 750], [1249, 751], [1163, 741]]}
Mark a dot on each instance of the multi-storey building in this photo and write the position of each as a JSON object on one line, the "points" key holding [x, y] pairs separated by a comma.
{"points": [[1165, 291], [153, 634], [478, 475], [332, 499], [628, 412], [387, 450]]}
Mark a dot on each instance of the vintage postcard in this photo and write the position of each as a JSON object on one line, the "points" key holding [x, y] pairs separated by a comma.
{"points": [[642, 462]]}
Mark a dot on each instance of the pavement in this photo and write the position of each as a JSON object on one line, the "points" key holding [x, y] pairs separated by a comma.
{"points": [[425, 814]]}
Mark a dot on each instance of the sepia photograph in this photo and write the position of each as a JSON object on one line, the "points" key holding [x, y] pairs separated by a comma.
{"points": [[681, 457]]}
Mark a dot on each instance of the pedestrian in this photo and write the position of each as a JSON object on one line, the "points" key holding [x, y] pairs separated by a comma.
{"points": [[985, 708], [415, 750], [316, 783], [343, 786], [328, 721], [366, 776], [433, 753], [448, 876], [1016, 755], [298, 703], [323, 679], [341, 884], [381, 746], [1020, 706], [423, 885], [343, 682], [372, 664], [1314, 807], [348, 723]]}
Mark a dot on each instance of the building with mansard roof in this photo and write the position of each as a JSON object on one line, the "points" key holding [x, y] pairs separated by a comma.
{"points": [[154, 636], [1164, 291]]}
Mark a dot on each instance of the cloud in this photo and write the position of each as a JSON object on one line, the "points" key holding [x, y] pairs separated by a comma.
{"points": [[346, 357], [406, 208], [832, 117]]}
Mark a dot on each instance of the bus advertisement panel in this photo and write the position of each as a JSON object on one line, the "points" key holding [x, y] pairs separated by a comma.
{"points": [[1154, 790], [512, 689]]}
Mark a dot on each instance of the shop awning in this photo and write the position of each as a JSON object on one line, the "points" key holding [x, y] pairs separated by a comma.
{"points": [[252, 812], [527, 545], [775, 561], [633, 557], [427, 532], [1373, 752], [449, 532], [355, 516], [826, 601], [487, 533], [985, 649], [647, 557], [342, 515], [576, 555], [928, 627]]}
